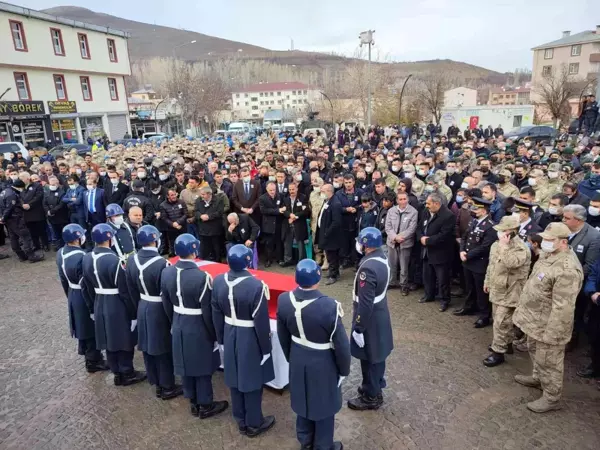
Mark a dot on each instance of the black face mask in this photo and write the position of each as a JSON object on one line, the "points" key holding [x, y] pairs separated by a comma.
{"points": [[501, 180]]}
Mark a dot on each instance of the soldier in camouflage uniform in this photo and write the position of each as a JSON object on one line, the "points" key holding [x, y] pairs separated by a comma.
{"points": [[555, 179], [504, 280], [391, 180], [440, 181], [540, 186], [417, 185], [545, 313], [506, 188]]}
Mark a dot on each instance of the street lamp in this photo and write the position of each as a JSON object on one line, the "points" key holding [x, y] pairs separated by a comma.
{"points": [[182, 45], [4, 93], [330, 104], [400, 102], [366, 38]]}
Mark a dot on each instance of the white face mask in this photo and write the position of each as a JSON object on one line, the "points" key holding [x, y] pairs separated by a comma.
{"points": [[336, 185], [90, 187], [82, 239], [594, 211], [78, 171], [368, 169], [130, 166], [548, 246], [299, 177], [246, 179], [114, 181], [141, 175], [52, 188], [163, 176], [324, 197], [359, 248], [532, 181], [118, 220], [102, 174], [554, 210], [465, 185], [552, 175], [409, 175], [450, 170], [14, 177], [72, 186], [501, 234]]}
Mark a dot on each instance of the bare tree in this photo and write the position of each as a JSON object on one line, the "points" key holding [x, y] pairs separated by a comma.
{"points": [[431, 93], [555, 91]]}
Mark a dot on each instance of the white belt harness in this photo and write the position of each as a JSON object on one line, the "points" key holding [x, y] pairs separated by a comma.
{"points": [[298, 307], [144, 295], [123, 256], [64, 269], [100, 290], [180, 309], [381, 296], [233, 320]]}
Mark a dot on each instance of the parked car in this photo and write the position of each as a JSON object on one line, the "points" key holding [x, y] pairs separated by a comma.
{"points": [[535, 133], [154, 135], [14, 148], [59, 150]]}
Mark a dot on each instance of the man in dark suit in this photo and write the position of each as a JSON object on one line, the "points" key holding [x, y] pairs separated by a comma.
{"points": [[294, 227], [282, 183], [241, 229], [436, 235], [245, 195], [272, 210], [115, 191], [575, 197], [95, 204], [328, 234]]}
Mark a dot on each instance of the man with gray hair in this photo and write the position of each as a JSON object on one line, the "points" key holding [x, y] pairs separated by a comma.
{"points": [[241, 229], [209, 214], [585, 242]]}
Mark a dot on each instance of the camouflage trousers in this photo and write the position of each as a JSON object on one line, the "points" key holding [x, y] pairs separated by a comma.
{"points": [[503, 327], [548, 367]]}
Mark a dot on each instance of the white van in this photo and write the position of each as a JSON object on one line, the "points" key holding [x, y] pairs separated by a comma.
{"points": [[238, 128], [289, 127]]}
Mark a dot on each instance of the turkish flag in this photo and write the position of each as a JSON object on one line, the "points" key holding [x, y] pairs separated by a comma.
{"points": [[473, 122]]}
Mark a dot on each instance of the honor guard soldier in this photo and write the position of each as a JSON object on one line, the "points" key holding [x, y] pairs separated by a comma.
{"points": [[123, 242], [69, 260], [241, 318], [143, 272], [475, 248], [314, 341], [186, 294], [372, 339], [105, 292]]}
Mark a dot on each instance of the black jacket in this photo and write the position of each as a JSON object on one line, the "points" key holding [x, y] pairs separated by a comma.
{"points": [[215, 210], [271, 217], [157, 200], [328, 233], [173, 212], [33, 195], [56, 210], [439, 248], [301, 209], [477, 242], [116, 194], [11, 205], [141, 200], [247, 229]]}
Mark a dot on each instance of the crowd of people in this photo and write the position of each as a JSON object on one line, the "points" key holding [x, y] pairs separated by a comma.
{"points": [[509, 228]]}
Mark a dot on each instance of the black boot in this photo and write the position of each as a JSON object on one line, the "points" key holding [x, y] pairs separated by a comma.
{"points": [[361, 393], [95, 366], [35, 257], [158, 392], [494, 359], [265, 426], [133, 378], [509, 349], [364, 403], [118, 379], [337, 445], [206, 411], [168, 394]]}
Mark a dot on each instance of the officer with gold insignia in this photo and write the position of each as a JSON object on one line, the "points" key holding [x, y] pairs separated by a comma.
{"points": [[527, 223], [372, 339], [475, 248]]}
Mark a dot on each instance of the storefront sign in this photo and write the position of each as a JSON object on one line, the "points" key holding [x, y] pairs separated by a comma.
{"points": [[22, 108], [32, 127], [63, 124], [62, 107]]}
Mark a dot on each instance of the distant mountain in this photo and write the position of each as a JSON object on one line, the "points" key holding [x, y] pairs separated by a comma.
{"points": [[150, 41]]}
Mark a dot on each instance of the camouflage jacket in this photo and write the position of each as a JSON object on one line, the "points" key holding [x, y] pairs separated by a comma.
{"points": [[542, 195], [508, 189], [555, 186], [507, 272], [547, 304]]}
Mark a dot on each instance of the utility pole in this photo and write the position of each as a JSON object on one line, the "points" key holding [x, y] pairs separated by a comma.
{"points": [[400, 102], [4, 93], [366, 38]]}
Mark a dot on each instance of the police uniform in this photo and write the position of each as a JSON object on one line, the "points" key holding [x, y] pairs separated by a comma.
{"points": [[69, 260], [349, 224], [123, 243], [476, 243], [314, 341], [531, 226], [143, 272], [12, 216], [241, 319]]}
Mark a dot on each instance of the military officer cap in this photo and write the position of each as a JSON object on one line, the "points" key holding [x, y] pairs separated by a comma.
{"points": [[457, 153], [554, 167], [556, 230], [505, 173], [522, 204], [129, 159], [482, 156], [479, 202], [568, 151], [507, 223]]}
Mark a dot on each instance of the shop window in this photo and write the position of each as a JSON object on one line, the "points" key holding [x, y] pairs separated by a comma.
{"points": [[22, 86], [18, 35]]}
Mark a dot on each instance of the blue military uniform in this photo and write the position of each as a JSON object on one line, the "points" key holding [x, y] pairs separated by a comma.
{"points": [[105, 292], [69, 260], [143, 272], [314, 341], [186, 295], [123, 243], [241, 318], [371, 317]]}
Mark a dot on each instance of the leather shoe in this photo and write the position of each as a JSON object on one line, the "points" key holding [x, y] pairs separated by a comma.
{"points": [[509, 349], [168, 394], [463, 312], [364, 403], [95, 366], [158, 392], [265, 426], [267, 264], [306, 447], [286, 264], [361, 393], [337, 445], [206, 411], [133, 378], [588, 372], [494, 359], [194, 409], [330, 281], [482, 323], [243, 430], [443, 306], [424, 299]]}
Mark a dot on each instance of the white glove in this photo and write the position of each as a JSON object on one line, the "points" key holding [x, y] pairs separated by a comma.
{"points": [[359, 339], [133, 325], [216, 347], [340, 381], [92, 317], [264, 360], [222, 348]]}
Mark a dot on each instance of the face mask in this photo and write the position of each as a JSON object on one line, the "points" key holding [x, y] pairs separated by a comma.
{"points": [[429, 188], [118, 221], [102, 174], [548, 246], [114, 182], [464, 185], [555, 211], [450, 170], [517, 215], [130, 166], [14, 177], [246, 179], [594, 211], [53, 188], [72, 186], [141, 175], [82, 240], [272, 178], [324, 197], [163, 176], [532, 181], [552, 175], [359, 248], [227, 166], [369, 169], [36, 161], [90, 187], [299, 177], [409, 175], [395, 169], [460, 199], [422, 172], [487, 197], [527, 144], [78, 171]]}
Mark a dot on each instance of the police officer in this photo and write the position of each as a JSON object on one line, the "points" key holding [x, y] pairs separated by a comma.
{"points": [[140, 198], [372, 339], [123, 241], [12, 215], [527, 223], [475, 253], [186, 296], [105, 292], [143, 272], [241, 318], [314, 341], [70, 271]]}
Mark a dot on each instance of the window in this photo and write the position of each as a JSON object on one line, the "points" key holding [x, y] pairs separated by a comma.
{"points": [[272, 94], [18, 35], [573, 68], [261, 94], [22, 86], [548, 53], [61, 87], [57, 42], [245, 95], [255, 107], [262, 103], [237, 95], [576, 50], [501, 96], [112, 50], [254, 99], [237, 103], [86, 88], [305, 92], [112, 88], [294, 102], [246, 104], [546, 71], [293, 92], [279, 94], [272, 102], [84, 47]]}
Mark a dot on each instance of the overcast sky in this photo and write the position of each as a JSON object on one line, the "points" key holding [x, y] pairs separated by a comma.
{"points": [[497, 35]]}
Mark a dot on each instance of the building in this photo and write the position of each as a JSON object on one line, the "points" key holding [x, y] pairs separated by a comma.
{"points": [[460, 96], [508, 117], [60, 79], [509, 96], [578, 53], [251, 103]]}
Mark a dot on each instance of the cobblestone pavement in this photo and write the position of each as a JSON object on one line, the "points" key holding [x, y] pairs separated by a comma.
{"points": [[439, 394]]}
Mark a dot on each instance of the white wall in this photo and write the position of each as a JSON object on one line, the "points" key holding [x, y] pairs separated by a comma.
{"points": [[460, 96], [488, 115]]}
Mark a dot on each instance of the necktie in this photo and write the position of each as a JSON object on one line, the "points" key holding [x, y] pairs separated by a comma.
{"points": [[91, 206], [247, 190]]}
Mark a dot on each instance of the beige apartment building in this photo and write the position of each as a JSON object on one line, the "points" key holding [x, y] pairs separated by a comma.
{"points": [[578, 53], [510, 96]]}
